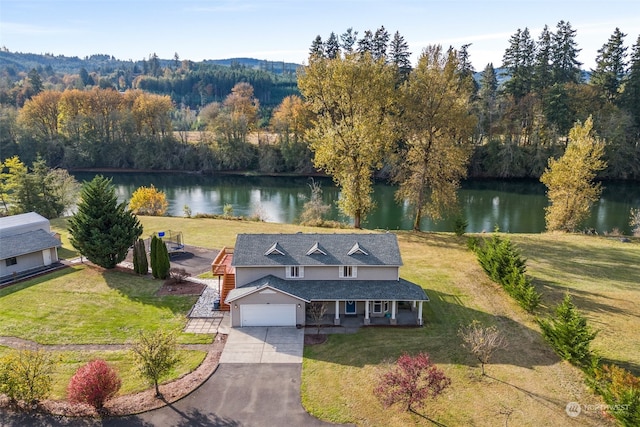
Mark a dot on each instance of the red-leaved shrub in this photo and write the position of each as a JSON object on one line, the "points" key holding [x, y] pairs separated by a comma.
{"points": [[94, 384], [411, 381]]}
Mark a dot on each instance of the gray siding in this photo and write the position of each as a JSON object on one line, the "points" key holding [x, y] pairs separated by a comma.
{"points": [[246, 275], [25, 262]]}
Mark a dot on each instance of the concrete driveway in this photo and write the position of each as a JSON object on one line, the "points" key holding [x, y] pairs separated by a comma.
{"points": [[263, 345]]}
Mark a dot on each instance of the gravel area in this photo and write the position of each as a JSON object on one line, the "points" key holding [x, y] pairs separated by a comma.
{"points": [[204, 306]]}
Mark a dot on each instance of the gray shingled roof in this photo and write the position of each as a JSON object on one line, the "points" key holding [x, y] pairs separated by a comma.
{"points": [[381, 249], [343, 290], [26, 243]]}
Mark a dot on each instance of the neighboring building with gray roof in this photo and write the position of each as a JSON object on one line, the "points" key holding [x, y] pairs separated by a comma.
{"points": [[26, 244], [277, 277]]}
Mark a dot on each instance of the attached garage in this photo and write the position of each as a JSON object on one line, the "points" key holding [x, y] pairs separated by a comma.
{"points": [[268, 314]]}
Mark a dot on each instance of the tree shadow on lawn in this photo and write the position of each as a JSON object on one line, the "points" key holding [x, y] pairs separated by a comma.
{"points": [[143, 289], [586, 301], [27, 283], [570, 259], [443, 316]]}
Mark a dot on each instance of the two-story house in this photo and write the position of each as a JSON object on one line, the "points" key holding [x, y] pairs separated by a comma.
{"points": [[278, 275]]}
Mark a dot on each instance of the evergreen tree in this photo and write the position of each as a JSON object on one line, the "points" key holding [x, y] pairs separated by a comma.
{"points": [[542, 68], [102, 229], [610, 66], [399, 54], [631, 93], [380, 42], [518, 59], [348, 40], [569, 334], [160, 263], [140, 262], [566, 67], [332, 47], [317, 48], [487, 94], [365, 44]]}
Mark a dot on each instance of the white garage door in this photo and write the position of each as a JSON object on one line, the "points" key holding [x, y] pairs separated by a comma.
{"points": [[268, 314]]}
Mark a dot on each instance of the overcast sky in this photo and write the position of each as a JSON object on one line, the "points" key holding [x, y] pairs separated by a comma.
{"points": [[284, 29]]}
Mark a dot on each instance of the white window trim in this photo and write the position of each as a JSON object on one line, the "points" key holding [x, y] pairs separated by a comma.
{"points": [[373, 307], [354, 272], [288, 272]]}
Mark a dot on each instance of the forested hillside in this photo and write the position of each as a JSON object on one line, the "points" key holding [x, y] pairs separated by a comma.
{"points": [[160, 114]]}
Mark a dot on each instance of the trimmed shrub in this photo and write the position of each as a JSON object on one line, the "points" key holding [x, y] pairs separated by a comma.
{"points": [[160, 263], [140, 263], [94, 384], [569, 334]]}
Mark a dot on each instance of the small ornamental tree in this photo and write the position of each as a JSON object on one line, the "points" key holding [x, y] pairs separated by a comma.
{"points": [[94, 384], [411, 381], [26, 376], [148, 201], [481, 342], [317, 310], [569, 334], [155, 355], [140, 262]]}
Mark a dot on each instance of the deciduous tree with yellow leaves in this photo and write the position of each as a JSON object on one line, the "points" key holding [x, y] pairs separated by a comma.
{"points": [[148, 201]]}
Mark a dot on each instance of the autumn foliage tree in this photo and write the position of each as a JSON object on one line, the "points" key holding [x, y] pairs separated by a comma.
{"points": [[570, 179], [411, 381], [353, 97], [148, 201], [155, 355], [94, 384]]}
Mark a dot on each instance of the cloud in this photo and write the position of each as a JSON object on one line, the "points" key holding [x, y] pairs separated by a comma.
{"points": [[17, 29]]}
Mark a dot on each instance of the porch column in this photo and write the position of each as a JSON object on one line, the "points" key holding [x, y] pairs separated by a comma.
{"points": [[420, 314], [413, 306], [336, 320], [393, 321], [367, 321]]}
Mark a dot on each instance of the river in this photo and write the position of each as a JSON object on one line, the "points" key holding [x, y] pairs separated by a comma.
{"points": [[513, 206]]}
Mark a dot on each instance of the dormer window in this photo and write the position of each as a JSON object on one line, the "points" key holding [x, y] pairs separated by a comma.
{"points": [[356, 249], [275, 249], [294, 272], [348, 271], [315, 250]]}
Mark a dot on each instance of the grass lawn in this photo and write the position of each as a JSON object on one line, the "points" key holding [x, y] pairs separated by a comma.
{"points": [[527, 384], [67, 363], [85, 305]]}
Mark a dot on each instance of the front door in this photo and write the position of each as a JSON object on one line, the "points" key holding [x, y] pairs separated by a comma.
{"points": [[350, 308]]}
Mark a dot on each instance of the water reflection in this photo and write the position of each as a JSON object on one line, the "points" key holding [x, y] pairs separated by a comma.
{"points": [[514, 206]]}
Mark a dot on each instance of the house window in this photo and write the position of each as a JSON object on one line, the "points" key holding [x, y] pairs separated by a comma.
{"points": [[377, 307], [349, 271], [11, 261], [294, 272]]}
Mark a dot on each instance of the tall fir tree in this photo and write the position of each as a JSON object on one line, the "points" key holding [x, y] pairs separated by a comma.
{"points": [[332, 46], [317, 48], [103, 229], [380, 43], [566, 67], [399, 55], [348, 40], [365, 44], [487, 99], [631, 93], [610, 66], [518, 59], [542, 68]]}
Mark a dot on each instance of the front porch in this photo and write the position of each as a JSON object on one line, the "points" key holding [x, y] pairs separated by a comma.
{"points": [[368, 313]]}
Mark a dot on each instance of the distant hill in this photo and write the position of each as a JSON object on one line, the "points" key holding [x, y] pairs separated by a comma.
{"points": [[23, 62]]}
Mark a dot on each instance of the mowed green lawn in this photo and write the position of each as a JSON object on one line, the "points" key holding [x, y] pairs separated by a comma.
{"points": [[85, 305]]}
